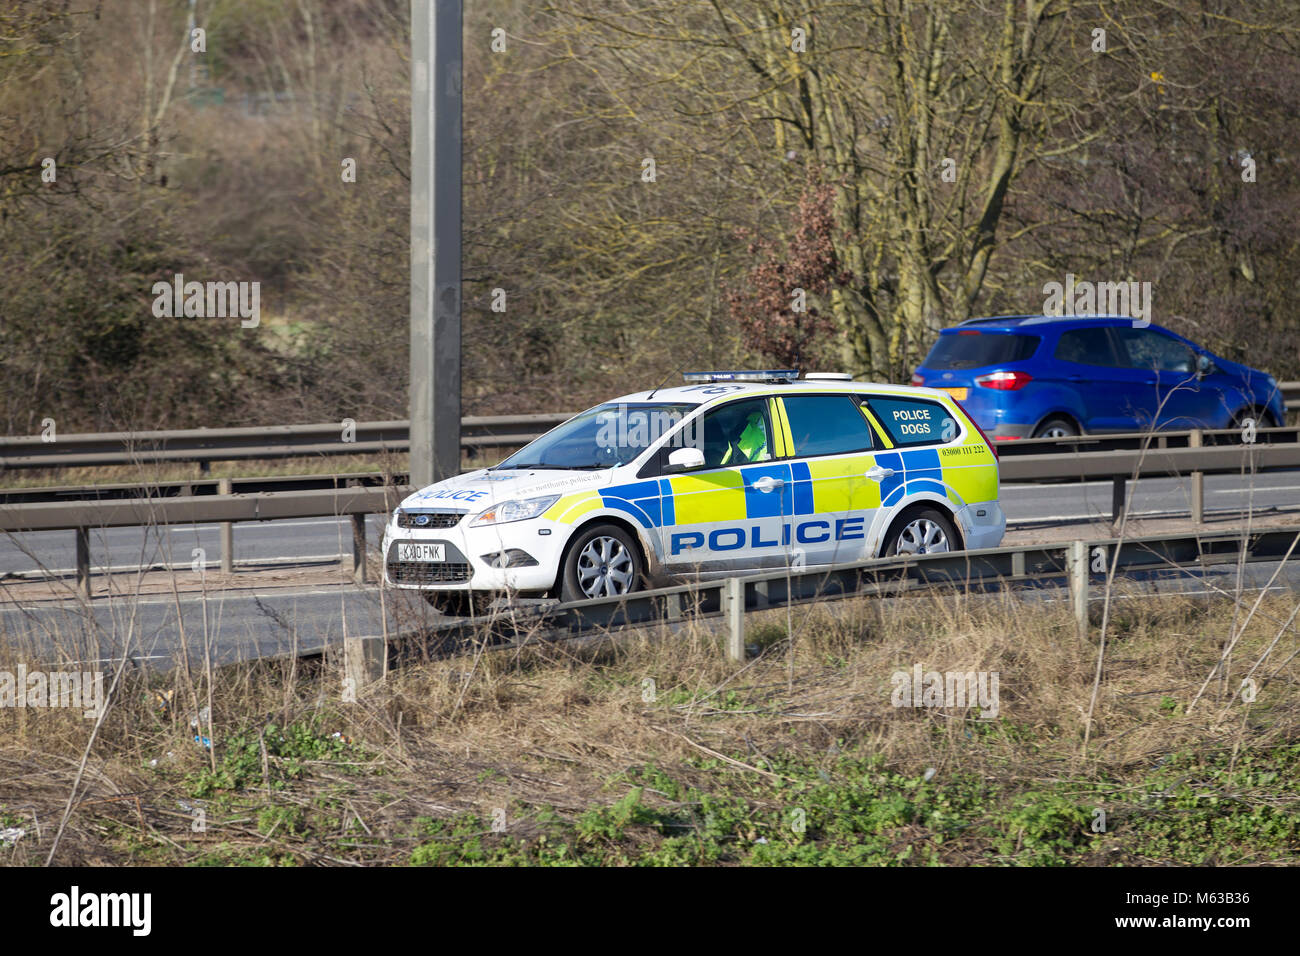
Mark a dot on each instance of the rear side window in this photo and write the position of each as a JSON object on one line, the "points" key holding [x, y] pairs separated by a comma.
{"points": [[971, 349], [826, 425], [1149, 349], [1087, 347], [914, 421]]}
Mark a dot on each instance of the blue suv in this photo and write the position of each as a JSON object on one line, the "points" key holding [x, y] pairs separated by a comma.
{"points": [[1037, 376]]}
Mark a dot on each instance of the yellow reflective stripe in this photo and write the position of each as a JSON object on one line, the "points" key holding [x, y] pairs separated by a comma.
{"points": [[884, 435], [781, 425], [572, 507], [717, 496], [841, 484]]}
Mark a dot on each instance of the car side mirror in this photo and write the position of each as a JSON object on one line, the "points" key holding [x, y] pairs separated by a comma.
{"points": [[1204, 365], [684, 459]]}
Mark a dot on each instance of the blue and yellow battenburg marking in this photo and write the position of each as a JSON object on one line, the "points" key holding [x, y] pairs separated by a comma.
{"points": [[965, 473]]}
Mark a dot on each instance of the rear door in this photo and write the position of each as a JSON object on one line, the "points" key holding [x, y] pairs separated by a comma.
{"points": [[1114, 395], [835, 497]]}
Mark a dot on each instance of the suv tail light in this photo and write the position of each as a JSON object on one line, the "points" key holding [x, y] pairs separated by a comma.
{"points": [[1005, 381], [917, 379]]}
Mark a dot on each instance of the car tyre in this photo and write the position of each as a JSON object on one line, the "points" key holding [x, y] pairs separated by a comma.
{"points": [[602, 561], [1056, 427], [922, 531]]}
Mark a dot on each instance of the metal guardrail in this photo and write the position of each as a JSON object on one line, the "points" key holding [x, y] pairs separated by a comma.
{"points": [[371, 494], [206, 445], [366, 659], [81, 516]]}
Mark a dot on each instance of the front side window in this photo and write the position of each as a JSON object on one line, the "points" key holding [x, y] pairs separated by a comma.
{"points": [[913, 421], [826, 425], [1149, 349], [739, 433]]}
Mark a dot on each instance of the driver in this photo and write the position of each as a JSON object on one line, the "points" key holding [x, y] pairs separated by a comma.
{"points": [[750, 444]]}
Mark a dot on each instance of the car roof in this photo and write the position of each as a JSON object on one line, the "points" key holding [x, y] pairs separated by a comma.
{"points": [[1015, 322], [692, 394]]}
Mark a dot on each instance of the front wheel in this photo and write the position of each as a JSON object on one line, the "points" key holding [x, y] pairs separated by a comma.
{"points": [[603, 561], [925, 531]]}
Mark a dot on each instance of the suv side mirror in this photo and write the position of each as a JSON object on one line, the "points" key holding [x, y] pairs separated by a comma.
{"points": [[684, 459]]}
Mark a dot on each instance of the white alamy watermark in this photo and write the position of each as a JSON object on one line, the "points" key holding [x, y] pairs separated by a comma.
{"points": [[75, 908], [208, 300], [954, 689], [631, 427], [1082, 297], [82, 690]]}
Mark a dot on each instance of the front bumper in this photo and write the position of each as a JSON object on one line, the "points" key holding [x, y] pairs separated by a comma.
{"points": [[466, 568]]}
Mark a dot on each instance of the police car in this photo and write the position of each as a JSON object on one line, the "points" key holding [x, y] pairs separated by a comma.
{"points": [[731, 471]]}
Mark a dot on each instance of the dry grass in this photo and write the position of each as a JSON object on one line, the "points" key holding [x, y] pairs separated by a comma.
{"points": [[561, 728]]}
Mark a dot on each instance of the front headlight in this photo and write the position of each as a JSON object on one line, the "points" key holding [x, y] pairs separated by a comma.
{"points": [[515, 510]]}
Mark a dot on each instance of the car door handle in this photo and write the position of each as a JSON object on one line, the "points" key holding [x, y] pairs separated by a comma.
{"points": [[1075, 378], [877, 473], [768, 483]]}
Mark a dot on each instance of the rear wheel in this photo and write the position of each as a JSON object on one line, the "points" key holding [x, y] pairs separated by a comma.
{"points": [[924, 531], [1057, 427], [603, 561]]}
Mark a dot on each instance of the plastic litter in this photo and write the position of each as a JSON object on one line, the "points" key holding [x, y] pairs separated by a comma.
{"points": [[11, 835]]}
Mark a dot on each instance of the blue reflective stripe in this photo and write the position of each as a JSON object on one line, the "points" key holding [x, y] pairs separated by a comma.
{"points": [[766, 504], [923, 463], [894, 483], [646, 511], [803, 489], [666, 496]]}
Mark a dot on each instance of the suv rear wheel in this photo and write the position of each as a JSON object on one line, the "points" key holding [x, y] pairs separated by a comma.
{"points": [[1057, 427]]}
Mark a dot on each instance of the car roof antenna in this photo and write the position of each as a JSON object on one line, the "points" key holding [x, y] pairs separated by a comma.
{"points": [[674, 374]]}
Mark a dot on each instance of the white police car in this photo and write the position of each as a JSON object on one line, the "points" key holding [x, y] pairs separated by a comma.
{"points": [[732, 471]]}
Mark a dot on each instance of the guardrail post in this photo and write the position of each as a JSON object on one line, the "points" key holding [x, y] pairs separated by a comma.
{"points": [[363, 664], [358, 549], [83, 561], [226, 530], [1076, 569], [1117, 495], [733, 595], [1198, 482]]}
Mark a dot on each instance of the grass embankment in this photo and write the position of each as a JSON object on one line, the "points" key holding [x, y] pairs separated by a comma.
{"points": [[564, 755]]}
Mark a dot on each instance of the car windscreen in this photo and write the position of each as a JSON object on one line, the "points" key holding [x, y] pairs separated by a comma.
{"points": [[601, 437], [971, 349]]}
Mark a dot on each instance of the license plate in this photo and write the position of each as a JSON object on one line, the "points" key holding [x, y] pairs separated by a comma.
{"points": [[957, 393], [418, 551]]}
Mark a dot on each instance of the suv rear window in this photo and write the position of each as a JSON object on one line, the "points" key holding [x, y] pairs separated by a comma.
{"points": [[971, 349]]}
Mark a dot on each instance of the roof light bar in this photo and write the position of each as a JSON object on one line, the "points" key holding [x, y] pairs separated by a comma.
{"points": [[764, 375]]}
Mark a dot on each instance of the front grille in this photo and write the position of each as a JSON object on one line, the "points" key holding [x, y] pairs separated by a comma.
{"points": [[429, 519], [428, 572]]}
